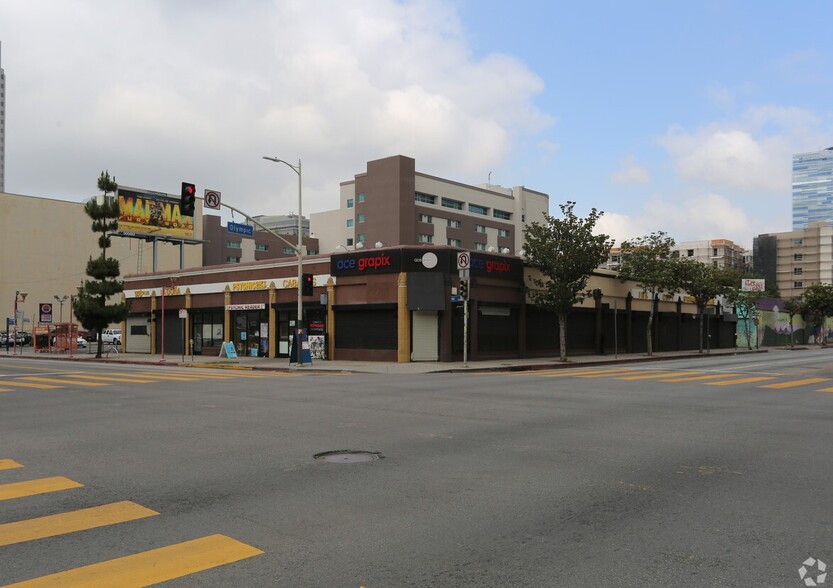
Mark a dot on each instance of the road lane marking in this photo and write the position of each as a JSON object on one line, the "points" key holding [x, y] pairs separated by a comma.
{"points": [[795, 383], [698, 378], [741, 381], [71, 522], [657, 375], [19, 384], [65, 381], [9, 464], [150, 567], [612, 374], [558, 372], [128, 380], [39, 486]]}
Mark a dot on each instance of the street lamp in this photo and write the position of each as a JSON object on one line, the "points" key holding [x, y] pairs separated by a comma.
{"points": [[61, 300], [299, 250], [18, 296]]}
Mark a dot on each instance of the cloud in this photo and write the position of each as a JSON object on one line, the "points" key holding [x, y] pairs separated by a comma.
{"points": [[630, 174], [199, 91]]}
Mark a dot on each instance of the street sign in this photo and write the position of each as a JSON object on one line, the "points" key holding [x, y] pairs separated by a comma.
{"points": [[237, 229], [212, 199], [463, 260], [183, 313]]}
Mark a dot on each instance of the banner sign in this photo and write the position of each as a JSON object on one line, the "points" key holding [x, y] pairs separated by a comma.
{"points": [[45, 312], [152, 213]]}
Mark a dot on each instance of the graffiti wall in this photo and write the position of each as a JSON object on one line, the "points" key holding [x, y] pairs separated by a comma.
{"points": [[770, 326]]}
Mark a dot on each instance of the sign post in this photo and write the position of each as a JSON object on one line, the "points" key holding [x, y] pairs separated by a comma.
{"points": [[463, 265]]}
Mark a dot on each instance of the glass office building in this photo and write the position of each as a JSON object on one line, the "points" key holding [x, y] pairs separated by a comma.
{"points": [[812, 188]]}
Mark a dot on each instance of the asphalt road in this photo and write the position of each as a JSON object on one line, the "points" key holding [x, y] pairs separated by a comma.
{"points": [[705, 472]]}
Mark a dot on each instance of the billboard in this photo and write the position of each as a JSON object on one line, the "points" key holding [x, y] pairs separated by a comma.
{"points": [[142, 212]]}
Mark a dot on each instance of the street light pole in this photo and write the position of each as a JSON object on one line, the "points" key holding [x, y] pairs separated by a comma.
{"points": [[21, 296], [299, 250], [61, 300]]}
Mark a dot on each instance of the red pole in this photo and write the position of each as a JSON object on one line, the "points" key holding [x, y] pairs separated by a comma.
{"points": [[69, 336]]}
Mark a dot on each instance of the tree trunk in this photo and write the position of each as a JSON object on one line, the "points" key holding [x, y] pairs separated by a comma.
{"points": [[650, 325], [562, 337]]}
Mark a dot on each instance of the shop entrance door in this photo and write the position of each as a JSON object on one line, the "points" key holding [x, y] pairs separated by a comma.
{"points": [[425, 332]]}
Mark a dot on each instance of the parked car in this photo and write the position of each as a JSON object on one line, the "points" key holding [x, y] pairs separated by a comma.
{"points": [[81, 342]]}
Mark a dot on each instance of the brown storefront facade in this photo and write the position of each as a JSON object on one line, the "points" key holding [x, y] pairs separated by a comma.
{"points": [[395, 304]]}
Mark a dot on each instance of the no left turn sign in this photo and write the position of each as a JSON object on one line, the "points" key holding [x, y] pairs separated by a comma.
{"points": [[212, 199]]}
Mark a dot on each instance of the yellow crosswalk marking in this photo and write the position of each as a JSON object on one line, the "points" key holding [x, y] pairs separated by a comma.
{"points": [[62, 380], [795, 383], [574, 373], [128, 380], [611, 374], [19, 384], [657, 375], [39, 486], [150, 567], [825, 390], [699, 378], [5, 389], [9, 464], [71, 522], [741, 381]]}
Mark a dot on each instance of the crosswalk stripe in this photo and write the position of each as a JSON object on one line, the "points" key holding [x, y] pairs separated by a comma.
{"points": [[150, 567], [741, 381], [65, 381], [657, 375], [795, 383], [5, 390], [71, 522], [114, 379], [9, 464], [611, 374], [574, 373], [19, 384], [699, 378], [39, 486]]}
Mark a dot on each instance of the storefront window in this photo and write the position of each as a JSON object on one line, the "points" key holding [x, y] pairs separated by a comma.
{"points": [[208, 329]]}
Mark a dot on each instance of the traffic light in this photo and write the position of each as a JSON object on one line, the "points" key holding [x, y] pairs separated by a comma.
{"points": [[188, 199], [306, 285], [464, 289]]}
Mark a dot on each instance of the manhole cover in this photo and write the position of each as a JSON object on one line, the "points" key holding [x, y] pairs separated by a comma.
{"points": [[348, 456]]}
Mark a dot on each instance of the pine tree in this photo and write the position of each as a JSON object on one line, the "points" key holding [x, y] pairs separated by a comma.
{"points": [[91, 306]]}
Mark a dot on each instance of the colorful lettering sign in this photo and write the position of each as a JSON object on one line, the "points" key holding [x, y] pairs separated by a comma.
{"points": [[152, 213]]}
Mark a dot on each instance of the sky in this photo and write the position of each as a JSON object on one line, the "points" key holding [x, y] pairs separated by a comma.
{"points": [[666, 116]]}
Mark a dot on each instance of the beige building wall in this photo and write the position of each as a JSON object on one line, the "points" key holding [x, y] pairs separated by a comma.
{"points": [[804, 258], [45, 245]]}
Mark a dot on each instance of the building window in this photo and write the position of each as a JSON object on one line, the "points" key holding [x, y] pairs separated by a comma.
{"points": [[502, 214], [312, 252], [361, 238], [232, 260], [422, 238], [479, 229], [454, 224], [503, 232], [262, 247], [477, 209], [798, 257], [690, 252], [798, 242], [455, 242], [349, 222], [797, 271], [425, 198], [425, 218], [798, 284], [714, 252], [349, 242], [361, 197], [455, 204], [614, 259], [361, 218], [289, 250], [234, 244], [480, 246], [349, 203]]}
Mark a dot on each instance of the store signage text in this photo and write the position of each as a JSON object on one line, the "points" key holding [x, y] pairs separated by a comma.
{"points": [[364, 263], [246, 286], [254, 306], [501, 267]]}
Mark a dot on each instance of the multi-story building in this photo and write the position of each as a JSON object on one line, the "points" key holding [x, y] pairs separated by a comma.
{"points": [[284, 224], [716, 252], [2, 127], [812, 188], [221, 246], [795, 259], [393, 204]]}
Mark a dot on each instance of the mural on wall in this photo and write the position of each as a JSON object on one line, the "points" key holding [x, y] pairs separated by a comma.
{"points": [[769, 326]]}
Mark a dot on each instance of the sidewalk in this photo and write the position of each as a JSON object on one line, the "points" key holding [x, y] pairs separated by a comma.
{"points": [[373, 367]]}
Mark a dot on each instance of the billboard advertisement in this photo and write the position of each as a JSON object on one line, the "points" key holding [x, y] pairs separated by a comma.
{"points": [[142, 212]]}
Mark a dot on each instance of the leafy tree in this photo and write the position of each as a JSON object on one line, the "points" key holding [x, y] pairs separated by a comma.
{"points": [[566, 252], [818, 304], [745, 302], [91, 306], [650, 262], [793, 306], [703, 283]]}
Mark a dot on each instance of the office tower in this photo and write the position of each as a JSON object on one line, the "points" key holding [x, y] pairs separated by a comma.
{"points": [[2, 127], [812, 188]]}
